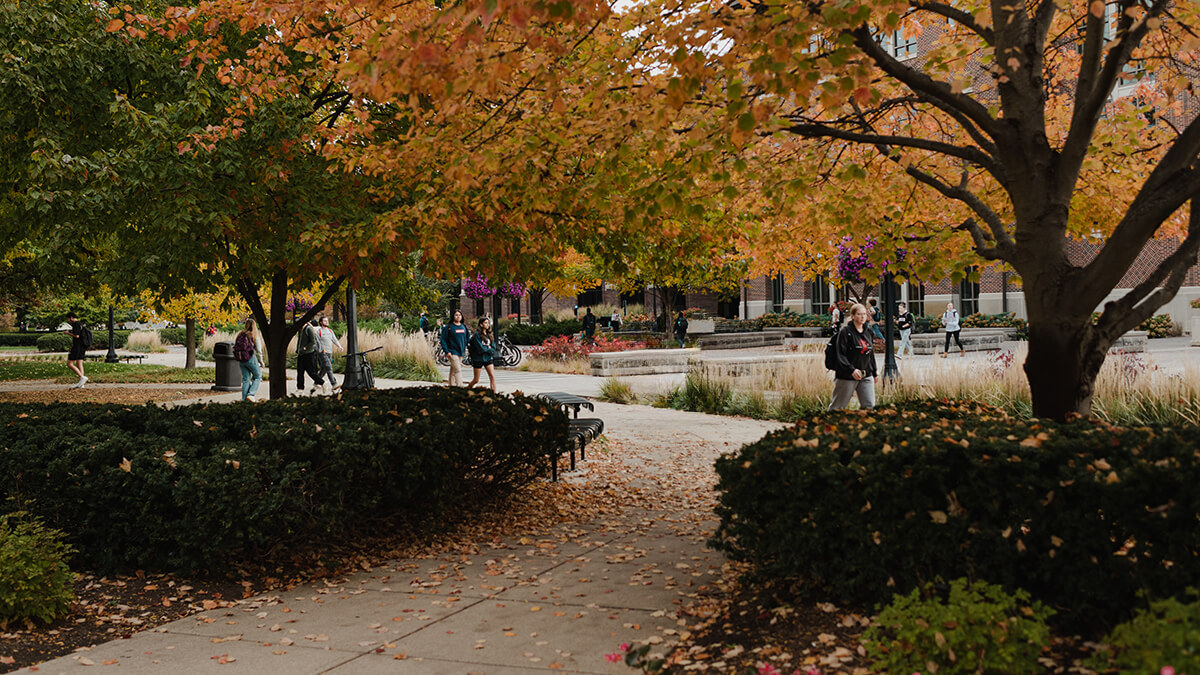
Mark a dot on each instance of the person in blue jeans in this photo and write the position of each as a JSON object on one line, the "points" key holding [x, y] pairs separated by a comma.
{"points": [[252, 367], [455, 337]]}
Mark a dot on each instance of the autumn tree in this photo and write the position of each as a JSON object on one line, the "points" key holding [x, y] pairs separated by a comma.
{"points": [[1009, 128]]}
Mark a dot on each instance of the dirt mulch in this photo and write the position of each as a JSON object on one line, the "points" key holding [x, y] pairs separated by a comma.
{"points": [[131, 395]]}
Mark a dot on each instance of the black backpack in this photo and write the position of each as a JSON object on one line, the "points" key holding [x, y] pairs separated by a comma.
{"points": [[85, 335], [831, 360]]}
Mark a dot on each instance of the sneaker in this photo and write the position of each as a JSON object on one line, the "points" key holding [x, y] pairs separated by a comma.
{"points": [[78, 384], [252, 399], [962, 352], [313, 391], [943, 355]]}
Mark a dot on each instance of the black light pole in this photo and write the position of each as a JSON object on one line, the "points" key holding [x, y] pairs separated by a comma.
{"points": [[353, 377], [890, 371], [111, 357]]}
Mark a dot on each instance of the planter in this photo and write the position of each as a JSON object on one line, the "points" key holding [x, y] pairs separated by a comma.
{"points": [[701, 326]]}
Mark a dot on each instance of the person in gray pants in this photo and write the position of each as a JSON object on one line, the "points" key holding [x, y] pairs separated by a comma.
{"points": [[855, 372]]}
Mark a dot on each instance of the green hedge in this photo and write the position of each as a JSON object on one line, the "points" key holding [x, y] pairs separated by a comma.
{"points": [[862, 505], [19, 339], [205, 486], [61, 342], [178, 335], [536, 333]]}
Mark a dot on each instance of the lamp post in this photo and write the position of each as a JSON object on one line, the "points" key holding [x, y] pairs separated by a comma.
{"points": [[353, 376], [890, 370], [111, 357]]}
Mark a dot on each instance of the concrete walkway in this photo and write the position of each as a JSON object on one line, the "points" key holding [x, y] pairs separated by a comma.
{"points": [[541, 599]]}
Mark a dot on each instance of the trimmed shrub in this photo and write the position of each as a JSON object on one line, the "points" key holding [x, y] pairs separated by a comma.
{"points": [[1083, 515], [20, 339], [61, 342], [790, 318], [35, 583], [978, 628], [178, 335], [208, 485], [537, 333], [1167, 634], [1157, 326]]}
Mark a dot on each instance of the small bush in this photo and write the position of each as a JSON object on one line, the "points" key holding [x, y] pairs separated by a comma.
{"points": [[1157, 326], [790, 318], [1083, 515], [208, 485], [1167, 634], [978, 629], [615, 390], [35, 583]]}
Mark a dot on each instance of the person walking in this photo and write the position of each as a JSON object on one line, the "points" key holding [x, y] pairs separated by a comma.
{"points": [[425, 327], [79, 347], [327, 341], [904, 321], [455, 337], [248, 350], [855, 372], [835, 317], [307, 346], [950, 323], [615, 320], [482, 348], [681, 327], [589, 325], [876, 319]]}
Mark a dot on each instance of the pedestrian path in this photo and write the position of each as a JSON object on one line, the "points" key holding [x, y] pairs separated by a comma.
{"points": [[557, 598]]}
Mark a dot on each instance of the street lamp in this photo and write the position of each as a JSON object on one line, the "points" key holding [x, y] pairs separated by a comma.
{"points": [[352, 378], [890, 370], [111, 357]]}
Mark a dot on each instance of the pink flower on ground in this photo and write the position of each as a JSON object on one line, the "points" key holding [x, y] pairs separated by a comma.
{"points": [[614, 657], [624, 646], [767, 669], [1167, 670]]}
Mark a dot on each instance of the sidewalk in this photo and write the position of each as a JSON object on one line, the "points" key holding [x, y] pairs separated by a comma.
{"points": [[557, 599]]}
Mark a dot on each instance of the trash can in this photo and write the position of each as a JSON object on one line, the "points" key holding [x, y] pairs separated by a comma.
{"points": [[229, 373]]}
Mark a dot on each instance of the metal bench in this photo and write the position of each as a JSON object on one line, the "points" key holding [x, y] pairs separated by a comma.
{"points": [[581, 431], [124, 357]]}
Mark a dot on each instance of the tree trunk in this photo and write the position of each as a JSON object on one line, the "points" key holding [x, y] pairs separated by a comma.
{"points": [[279, 332], [190, 341], [1065, 356]]}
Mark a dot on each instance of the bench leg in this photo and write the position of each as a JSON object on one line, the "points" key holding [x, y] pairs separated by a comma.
{"points": [[573, 455], [554, 466]]}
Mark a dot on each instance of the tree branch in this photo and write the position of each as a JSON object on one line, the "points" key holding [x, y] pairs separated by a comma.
{"points": [[822, 130], [923, 84], [1140, 303], [965, 19]]}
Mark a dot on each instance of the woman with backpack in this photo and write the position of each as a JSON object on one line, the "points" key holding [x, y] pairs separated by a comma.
{"points": [[854, 371], [248, 350], [482, 349]]}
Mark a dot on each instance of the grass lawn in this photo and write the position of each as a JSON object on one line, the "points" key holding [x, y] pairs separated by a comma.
{"points": [[11, 371], [15, 349]]}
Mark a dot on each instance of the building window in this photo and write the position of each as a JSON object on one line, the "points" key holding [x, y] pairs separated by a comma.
{"points": [[777, 293], [592, 296], [916, 298], [902, 46], [968, 297], [637, 297], [820, 295], [729, 305]]}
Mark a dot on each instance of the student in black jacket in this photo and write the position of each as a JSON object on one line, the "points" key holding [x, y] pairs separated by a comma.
{"points": [[855, 372]]}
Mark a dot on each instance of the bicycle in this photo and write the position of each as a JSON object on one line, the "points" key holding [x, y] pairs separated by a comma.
{"points": [[508, 355], [366, 377]]}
